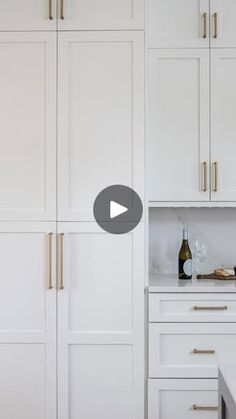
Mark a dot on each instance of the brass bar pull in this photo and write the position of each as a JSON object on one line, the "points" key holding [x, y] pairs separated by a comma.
{"points": [[203, 351], [49, 261], [204, 176], [204, 17], [215, 20], [196, 407], [218, 308], [62, 17], [215, 177], [61, 261], [50, 10]]}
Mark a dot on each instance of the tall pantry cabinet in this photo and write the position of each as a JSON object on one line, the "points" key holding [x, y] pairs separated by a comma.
{"points": [[71, 295]]}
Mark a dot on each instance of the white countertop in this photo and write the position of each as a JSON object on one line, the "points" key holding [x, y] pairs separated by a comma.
{"points": [[170, 283], [227, 365]]}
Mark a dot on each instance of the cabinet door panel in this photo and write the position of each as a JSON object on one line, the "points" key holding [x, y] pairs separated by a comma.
{"points": [[226, 28], [27, 322], [178, 23], [28, 126], [100, 117], [30, 15], [223, 131], [178, 119], [102, 14], [100, 321]]}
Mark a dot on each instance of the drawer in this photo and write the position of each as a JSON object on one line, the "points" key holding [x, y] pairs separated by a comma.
{"points": [[184, 350], [182, 399], [192, 308]]}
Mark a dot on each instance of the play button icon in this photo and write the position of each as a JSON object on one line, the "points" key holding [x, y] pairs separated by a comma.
{"points": [[118, 209]]}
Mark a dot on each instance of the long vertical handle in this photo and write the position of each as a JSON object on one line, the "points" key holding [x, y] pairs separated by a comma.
{"points": [[215, 177], [204, 17], [62, 17], [204, 176], [49, 261], [50, 10], [61, 261], [215, 20]]}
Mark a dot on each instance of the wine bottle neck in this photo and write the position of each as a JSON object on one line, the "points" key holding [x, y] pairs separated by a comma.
{"points": [[185, 235]]}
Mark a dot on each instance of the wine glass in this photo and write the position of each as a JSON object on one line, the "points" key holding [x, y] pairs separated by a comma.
{"points": [[199, 255]]}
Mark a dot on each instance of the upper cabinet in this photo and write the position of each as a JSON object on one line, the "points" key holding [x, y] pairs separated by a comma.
{"points": [[222, 20], [27, 15], [28, 126], [178, 23], [101, 112], [100, 14], [191, 23]]}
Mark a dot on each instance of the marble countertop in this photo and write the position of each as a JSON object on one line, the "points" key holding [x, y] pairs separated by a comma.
{"points": [[226, 360], [164, 283]]}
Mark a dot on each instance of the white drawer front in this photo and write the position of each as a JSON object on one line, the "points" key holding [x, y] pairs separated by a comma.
{"points": [[192, 308], [188, 350], [182, 399]]}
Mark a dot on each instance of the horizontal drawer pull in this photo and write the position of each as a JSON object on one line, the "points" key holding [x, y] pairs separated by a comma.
{"points": [[219, 308], [196, 407], [203, 351]]}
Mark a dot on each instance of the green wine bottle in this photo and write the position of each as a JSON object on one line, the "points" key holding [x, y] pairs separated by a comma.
{"points": [[185, 258]]}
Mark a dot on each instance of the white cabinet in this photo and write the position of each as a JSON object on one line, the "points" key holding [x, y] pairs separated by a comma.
{"points": [[178, 125], [178, 23], [28, 126], [27, 15], [223, 28], [100, 14], [223, 130], [101, 140], [185, 399], [100, 321], [27, 321]]}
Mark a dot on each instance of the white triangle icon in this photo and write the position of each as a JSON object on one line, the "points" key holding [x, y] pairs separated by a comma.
{"points": [[116, 209]]}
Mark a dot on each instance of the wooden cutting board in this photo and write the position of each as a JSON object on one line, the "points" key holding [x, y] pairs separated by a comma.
{"points": [[214, 276]]}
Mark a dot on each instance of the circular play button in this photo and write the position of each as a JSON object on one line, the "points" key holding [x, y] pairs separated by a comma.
{"points": [[118, 209]]}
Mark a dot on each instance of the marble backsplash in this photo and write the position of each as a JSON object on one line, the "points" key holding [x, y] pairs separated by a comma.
{"points": [[212, 238]]}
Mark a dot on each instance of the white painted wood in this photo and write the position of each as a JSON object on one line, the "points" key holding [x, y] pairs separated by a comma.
{"points": [[171, 348], [101, 138], [223, 131], [27, 322], [101, 322], [169, 399], [177, 24], [181, 308], [27, 15], [178, 124], [102, 14], [189, 204], [28, 126], [226, 33]]}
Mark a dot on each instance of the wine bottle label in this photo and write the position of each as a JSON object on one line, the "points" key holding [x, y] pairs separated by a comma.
{"points": [[187, 268]]}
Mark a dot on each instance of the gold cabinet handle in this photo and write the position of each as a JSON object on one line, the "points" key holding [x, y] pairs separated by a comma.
{"points": [[62, 17], [215, 176], [50, 10], [196, 407], [216, 308], [60, 271], [49, 261], [204, 177], [203, 351], [215, 22], [204, 18]]}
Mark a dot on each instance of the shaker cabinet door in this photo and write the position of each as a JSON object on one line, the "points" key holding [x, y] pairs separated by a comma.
{"points": [[100, 117], [100, 323], [27, 15], [27, 321], [178, 125], [223, 131], [222, 20], [178, 23], [100, 14], [28, 126]]}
